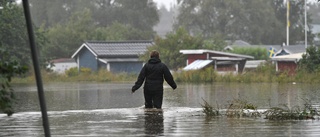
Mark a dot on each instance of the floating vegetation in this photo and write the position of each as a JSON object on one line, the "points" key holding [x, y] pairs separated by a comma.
{"points": [[241, 108], [209, 110], [285, 113]]}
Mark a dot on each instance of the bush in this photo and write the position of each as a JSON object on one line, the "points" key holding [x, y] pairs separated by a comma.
{"points": [[72, 72], [310, 61]]}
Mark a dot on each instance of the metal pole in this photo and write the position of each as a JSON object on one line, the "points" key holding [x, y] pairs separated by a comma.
{"points": [[288, 21], [305, 24], [45, 120]]}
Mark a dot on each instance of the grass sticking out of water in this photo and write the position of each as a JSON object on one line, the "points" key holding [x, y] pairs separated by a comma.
{"points": [[209, 110], [241, 108], [283, 112]]}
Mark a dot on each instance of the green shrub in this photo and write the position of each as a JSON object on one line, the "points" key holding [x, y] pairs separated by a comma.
{"points": [[85, 71], [72, 72]]}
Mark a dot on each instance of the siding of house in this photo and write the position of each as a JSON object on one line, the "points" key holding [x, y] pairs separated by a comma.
{"points": [[129, 67], [193, 57], [87, 60], [229, 67], [63, 66], [287, 66]]}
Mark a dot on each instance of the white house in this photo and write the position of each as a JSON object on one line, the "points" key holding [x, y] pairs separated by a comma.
{"points": [[62, 64]]}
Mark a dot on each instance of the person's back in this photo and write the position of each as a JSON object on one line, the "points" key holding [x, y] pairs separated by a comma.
{"points": [[154, 73]]}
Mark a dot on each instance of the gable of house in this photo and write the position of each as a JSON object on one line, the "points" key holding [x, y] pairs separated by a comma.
{"points": [[115, 56], [287, 63]]}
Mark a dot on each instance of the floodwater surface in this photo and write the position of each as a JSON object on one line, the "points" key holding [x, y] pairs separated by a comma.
{"points": [[109, 109]]}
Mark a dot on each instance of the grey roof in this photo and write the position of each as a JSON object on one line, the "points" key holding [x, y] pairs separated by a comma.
{"points": [[237, 42], [202, 51], [119, 60], [115, 48], [291, 48]]}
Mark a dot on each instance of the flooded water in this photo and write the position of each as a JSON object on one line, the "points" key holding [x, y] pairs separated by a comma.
{"points": [[109, 109]]}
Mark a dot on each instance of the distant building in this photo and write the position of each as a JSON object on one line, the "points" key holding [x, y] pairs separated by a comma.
{"points": [[223, 62], [62, 64], [252, 65], [277, 49], [114, 56], [287, 63]]}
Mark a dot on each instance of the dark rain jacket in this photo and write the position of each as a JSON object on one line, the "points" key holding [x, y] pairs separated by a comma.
{"points": [[154, 73]]}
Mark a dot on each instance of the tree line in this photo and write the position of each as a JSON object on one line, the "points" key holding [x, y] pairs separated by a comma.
{"points": [[62, 26]]}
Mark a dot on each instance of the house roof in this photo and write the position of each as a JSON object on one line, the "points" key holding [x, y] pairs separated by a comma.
{"points": [[202, 51], [292, 57], [197, 64], [290, 49], [104, 60], [237, 42], [62, 60], [254, 63], [115, 48]]}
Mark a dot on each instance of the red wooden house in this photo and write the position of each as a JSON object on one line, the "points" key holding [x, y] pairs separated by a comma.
{"points": [[221, 61], [287, 63]]}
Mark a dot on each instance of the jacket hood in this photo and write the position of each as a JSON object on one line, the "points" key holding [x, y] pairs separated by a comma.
{"points": [[154, 60]]}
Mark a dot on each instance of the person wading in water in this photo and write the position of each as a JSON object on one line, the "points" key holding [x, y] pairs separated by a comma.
{"points": [[154, 73]]}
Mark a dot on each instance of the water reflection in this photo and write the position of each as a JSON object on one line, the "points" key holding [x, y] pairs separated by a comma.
{"points": [[109, 109], [153, 122]]}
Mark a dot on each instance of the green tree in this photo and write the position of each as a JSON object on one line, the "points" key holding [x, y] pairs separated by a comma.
{"points": [[257, 53], [296, 18], [8, 69], [314, 10], [170, 46], [216, 43], [140, 14], [119, 31], [310, 61], [254, 21], [64, 39], [13, 33]]}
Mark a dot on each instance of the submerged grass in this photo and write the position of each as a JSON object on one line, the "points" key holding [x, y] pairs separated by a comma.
{"points": [[241, 108], [209, 110], [283, 112], [198, 76]]}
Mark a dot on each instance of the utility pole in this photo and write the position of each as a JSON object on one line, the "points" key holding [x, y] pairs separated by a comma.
{"points": [[288, 21], [305, 24]]}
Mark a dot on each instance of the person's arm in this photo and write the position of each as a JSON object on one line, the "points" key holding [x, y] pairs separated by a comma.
{"points": [[140, 79], [168, 77]]}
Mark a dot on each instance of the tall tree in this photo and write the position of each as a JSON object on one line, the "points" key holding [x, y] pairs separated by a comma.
{"points": [[64, 39], [14, 52], [258, 21], [13, 32], [310, 61], [119, 31], [314, 10], [296, 19], [169, 47], [141, 14]]}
